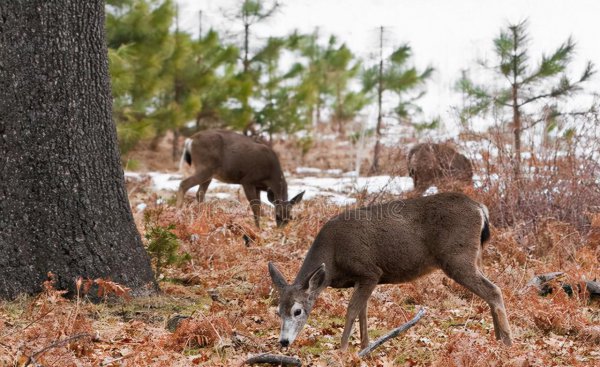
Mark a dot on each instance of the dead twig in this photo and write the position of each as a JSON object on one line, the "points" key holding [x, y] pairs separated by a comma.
{"points": [[392, 334], [274, 359], [56, 344]]}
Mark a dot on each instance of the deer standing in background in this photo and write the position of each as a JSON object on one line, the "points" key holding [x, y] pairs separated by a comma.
{"points": [[430, 164], [237, 159], [391, 243]]}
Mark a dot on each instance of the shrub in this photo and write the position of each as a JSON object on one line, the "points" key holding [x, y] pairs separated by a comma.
{"points": [[162, 244]]}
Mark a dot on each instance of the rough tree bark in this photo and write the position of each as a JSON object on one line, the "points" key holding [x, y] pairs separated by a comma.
{"points": [[63, 203]]}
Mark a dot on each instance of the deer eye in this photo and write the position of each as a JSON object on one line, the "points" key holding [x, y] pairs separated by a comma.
{"points": [[298, 312]]}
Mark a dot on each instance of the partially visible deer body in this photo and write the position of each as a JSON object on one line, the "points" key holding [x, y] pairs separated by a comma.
{"points": [[391, 243], [435, 164], [238, 159]]}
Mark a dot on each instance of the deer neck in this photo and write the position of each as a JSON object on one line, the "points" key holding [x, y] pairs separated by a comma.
{"points": [[318, 254], [279, 188]]}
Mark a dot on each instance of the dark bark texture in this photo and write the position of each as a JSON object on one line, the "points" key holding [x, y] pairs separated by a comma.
{"points": [[63, 204]]}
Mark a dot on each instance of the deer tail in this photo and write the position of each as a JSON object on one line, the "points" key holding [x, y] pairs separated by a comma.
{"points": [[485, 226], [186, 155]]}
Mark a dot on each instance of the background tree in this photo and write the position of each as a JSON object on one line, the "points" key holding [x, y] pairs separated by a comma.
{"points": [[341, 67], [63, 207], [140, 44], [282, 105], [312, 85], [160, 88], [392, 75], [249, 13], [529, 88], [213, 69]]}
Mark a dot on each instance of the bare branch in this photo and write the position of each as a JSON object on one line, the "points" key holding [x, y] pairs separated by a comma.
{"points": [[392, 334], [56, 344], [540, 96]]}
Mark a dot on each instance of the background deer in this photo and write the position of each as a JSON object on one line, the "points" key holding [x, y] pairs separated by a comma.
{"points": [[238, 159], [430, 164], [391, 243]]}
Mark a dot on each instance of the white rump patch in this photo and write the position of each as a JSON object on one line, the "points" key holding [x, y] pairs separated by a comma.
{"points": [[484, 214]]}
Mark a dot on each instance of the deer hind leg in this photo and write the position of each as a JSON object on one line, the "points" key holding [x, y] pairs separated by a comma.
{"points": [[472, 279], [358, 304], [198, 178], [362, 322], [202, 191]]}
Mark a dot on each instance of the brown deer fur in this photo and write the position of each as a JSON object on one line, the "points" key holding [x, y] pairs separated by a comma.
{"points": [[430, 164], [392, 243], [238, 159]]}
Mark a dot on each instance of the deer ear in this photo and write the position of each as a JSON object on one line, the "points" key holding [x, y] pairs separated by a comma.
{"points": [[296, 199], [278, 279], [315, 281], [271, 195]]}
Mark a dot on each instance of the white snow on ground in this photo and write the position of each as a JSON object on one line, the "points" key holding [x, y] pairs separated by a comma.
{"points": [[338, 190], [313, 170]]}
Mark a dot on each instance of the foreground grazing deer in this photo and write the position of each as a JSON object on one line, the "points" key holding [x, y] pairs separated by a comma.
{"points": [[238, 159], [391, 243]]}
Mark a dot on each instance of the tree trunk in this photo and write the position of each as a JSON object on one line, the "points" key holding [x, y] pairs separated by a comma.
{"points": [[516, 133], [376, 152], [63, 204], [516, 111], [246, 62], [338, 111]]}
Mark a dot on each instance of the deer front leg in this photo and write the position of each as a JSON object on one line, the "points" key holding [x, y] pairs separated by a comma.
{"points": [[358, 303], [252, 194]]}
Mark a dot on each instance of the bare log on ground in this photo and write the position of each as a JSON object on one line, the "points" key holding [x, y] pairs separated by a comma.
{"points": [[593, 288], [274, 359], [540, 282], [392, 334]]}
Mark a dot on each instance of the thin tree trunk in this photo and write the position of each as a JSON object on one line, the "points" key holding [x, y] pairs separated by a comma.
{"points": [[246, 67], [176, 91], [63, 204], [516, 133], [246, 61], [375, 166], [338, 108], [516, 113]]}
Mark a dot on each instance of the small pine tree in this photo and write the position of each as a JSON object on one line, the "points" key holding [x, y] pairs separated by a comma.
{"points": [[162, 244], [525, 84]]}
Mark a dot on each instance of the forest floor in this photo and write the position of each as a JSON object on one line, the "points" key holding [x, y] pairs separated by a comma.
{"points": [[226, 306]]}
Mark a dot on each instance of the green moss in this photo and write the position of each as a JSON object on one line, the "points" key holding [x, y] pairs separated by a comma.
{"points": [[315, 349]]}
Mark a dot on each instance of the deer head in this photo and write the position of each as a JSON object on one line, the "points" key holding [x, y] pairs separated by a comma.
{"points": [[296, 300], [283, 208]]}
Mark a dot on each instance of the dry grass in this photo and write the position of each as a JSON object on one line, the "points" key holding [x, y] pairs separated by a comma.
{"points": [[226, 292]]}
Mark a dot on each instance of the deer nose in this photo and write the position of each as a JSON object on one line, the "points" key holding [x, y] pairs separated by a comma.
{"points": [[284, 343]]}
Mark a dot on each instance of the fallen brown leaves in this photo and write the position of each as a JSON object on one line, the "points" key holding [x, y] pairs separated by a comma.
{"points": [[225, 294]]}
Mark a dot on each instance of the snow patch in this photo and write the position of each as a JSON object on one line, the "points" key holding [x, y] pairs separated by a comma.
{"points": [[337, 190]]}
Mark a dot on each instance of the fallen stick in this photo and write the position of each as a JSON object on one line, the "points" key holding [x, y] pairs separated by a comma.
{"points": [[392, 334], [274, 359], [56, 344]]}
